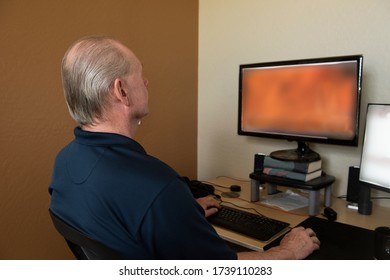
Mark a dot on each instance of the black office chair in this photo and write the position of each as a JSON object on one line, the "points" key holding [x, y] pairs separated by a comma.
{"points": [[83, 247]]}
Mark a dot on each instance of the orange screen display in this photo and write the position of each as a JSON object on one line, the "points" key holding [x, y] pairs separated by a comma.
{"points": [[317, 100]]}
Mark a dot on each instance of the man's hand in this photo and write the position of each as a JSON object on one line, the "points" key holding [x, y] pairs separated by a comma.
{"points": [[300, 242], [209, 204], [297, 244]]}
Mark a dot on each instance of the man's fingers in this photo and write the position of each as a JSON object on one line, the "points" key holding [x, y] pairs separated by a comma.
{"points": [[211, 211]]}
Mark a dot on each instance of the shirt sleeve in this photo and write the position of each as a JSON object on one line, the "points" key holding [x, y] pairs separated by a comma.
{"points": [[175, 228]]}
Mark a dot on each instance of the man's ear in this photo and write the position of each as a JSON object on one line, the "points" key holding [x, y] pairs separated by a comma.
{"points": [[121, 93]]}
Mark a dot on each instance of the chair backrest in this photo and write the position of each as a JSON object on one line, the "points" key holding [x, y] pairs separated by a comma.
{"points": [[83, 247]]}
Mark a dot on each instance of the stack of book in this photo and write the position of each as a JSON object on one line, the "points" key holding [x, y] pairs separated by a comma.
{"points": [[301, 171]]}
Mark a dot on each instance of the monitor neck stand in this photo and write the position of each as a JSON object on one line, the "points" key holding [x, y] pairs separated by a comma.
{"points": [[301, 154]]}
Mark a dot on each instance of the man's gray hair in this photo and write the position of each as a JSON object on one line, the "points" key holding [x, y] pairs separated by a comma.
{"points": [[89, 69]]}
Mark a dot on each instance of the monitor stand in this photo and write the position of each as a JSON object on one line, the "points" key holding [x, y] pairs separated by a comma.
{"points": [[301, 154]]}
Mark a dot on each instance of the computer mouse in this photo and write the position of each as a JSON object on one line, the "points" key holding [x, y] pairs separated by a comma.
{"points": [[330, 214]]}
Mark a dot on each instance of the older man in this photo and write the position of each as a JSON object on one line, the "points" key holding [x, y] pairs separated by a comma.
{"points": [[107, 186]]}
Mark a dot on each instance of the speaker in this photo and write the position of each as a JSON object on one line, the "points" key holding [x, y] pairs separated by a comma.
{"points": [[365, 203], [259, 163], [359, 192], [353, 189]]}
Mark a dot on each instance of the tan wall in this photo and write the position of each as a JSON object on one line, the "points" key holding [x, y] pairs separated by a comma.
{"points": [[34, 122]]}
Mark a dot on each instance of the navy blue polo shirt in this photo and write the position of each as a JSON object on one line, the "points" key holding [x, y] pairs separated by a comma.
{"points": [[106, 186]]}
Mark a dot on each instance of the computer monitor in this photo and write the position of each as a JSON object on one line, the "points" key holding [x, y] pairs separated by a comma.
{"points": [[375, 159], [309, 100]]}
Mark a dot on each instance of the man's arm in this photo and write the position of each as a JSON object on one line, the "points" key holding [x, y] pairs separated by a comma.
{"points": [[296, 245], [175, 227]]}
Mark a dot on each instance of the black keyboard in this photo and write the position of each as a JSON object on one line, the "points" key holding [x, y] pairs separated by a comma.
{"points": [[252, 225]]}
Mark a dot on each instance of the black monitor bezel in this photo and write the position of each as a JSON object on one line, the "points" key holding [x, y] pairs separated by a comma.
{"points": [[367, 183], [351, 142]]}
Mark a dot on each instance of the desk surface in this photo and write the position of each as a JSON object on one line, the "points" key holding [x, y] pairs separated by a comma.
{"points": [[380, 215]]}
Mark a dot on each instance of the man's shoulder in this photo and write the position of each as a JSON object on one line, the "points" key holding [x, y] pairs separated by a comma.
{"points": [[61, 156], [110, 167]]}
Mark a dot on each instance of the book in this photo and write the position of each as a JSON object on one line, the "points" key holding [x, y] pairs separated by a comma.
{"points": [[304, 177], [301, 167]]}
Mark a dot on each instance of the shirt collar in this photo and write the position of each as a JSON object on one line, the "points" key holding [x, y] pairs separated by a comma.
{"points": [[105, 139]]}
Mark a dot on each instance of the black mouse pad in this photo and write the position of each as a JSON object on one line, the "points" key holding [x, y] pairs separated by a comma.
{"points": [[338, 241]]}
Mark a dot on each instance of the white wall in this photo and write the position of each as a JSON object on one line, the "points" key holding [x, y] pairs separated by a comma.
{"points": [[233, 32]]}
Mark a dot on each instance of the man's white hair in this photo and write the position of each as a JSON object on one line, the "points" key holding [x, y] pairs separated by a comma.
{"points": [[89, 69]]}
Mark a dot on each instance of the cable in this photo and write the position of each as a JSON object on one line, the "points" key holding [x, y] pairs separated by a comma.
{"points": [[263, 205], [233, 178], [241, 207], [214, 184]]}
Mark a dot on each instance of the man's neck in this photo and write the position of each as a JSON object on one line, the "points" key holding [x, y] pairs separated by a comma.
{"points": [[128, 130]]}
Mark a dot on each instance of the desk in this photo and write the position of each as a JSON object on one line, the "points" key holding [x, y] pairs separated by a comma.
{"points": [[380, 215]]}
